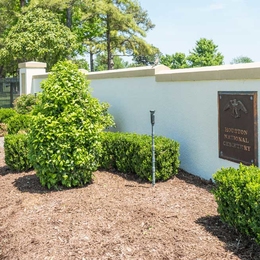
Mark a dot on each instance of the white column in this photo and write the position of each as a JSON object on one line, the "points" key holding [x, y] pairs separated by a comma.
{"points": [[27, 71]]}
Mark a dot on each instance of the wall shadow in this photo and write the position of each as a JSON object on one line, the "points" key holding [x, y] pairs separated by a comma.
{"points": [[195, 180], [243, 247]]}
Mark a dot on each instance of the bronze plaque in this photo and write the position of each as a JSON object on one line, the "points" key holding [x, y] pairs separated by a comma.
{"points": [[238, 140]]}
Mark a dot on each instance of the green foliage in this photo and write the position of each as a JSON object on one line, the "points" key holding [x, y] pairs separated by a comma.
{"points": [[205, 54], [174, 61], [6, 114], [29, 32], [131, 153], [16, 152], [39, 36], [237, 193], [146, 59], [64, 140], [19, 123], [124, 25], [24, 104], [101, 62], [81, 63], [241, 59]]}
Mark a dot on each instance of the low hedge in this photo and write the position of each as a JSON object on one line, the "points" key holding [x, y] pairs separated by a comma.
{"points": [[16, 152], [131, 153], [6, 114], [18, 123], [237, 193], [125, 152]]}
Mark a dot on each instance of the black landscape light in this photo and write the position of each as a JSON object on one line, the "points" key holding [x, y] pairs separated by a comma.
{"points": [[152, 113]]}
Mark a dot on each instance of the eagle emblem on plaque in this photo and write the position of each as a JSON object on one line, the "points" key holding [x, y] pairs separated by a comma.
{"points": [[236, 107]]}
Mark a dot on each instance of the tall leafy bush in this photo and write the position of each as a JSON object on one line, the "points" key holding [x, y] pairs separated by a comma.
{"points": [[64, 141]]}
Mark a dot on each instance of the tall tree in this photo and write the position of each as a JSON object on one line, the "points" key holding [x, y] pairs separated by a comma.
{"points": [[241, 59], [146, 60], [101, 26], [9, 10], [101, 62], [81, 63], [125, 25], [205, 53], [38, 35], [175, 61]]}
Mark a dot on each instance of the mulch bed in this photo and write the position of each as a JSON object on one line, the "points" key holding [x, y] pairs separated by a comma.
{"points": [[115, 217]]}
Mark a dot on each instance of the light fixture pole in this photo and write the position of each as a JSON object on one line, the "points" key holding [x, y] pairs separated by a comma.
{"points": [[152, 112]]}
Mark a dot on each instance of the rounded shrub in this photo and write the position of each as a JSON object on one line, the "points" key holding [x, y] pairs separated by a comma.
{"points": [[25, 103], [16, 152], [64, 138], [237, 193]]}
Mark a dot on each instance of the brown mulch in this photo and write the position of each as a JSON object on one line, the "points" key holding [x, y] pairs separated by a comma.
{"points": [[115, 217]]}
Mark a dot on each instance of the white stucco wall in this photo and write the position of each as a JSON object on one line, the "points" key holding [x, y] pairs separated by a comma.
{"points": [[186, 104], [184, 112]]}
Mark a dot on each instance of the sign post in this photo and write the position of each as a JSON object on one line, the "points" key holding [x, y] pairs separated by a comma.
{"points": [[152, 112]]}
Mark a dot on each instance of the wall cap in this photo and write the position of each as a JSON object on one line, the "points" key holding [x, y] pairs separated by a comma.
{"points": [[32, 65], [146, 71], [40, 76], [223, 72]]}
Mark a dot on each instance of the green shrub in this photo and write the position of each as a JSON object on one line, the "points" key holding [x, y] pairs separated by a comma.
{"points": [[18, 123], [237, 193], [25, 103], [131, 153], [65, 134], [3, 129], [6, 114], [16, 152]]}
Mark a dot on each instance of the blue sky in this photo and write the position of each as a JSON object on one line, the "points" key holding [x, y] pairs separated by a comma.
{"points": [[233, 25]]}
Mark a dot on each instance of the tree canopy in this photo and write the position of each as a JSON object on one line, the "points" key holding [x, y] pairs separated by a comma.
{"points": [[101, 62], [205, 53], [124, 25], [175, 61], [241, 59], [39, 36], [108, 27]]}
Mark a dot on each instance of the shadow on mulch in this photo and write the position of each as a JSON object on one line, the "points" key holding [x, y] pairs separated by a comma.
{"points": [[4, 170], [243, 247], [181, 175], [31, 183], [128, 176], [195, 180]]}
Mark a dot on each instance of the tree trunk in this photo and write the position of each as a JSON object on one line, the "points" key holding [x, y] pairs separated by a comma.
{"points": [[91, 61], [109, 54], [69, 17], [22, 3]]}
